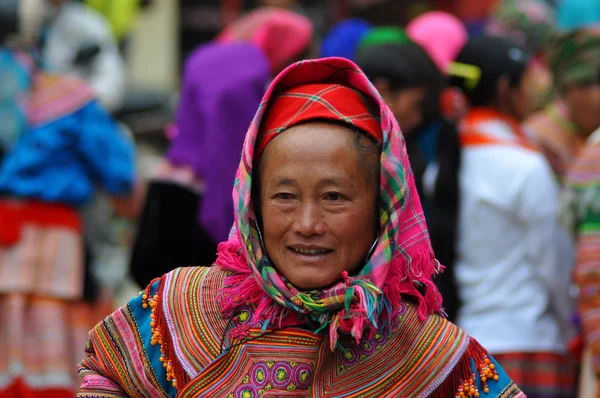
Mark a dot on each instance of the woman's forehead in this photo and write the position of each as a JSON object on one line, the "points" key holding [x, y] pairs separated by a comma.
{"points": [[321, 151], [312, 138]]}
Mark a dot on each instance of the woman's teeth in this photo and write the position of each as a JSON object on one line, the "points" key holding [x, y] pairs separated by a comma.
{"points": [[309, 251]]}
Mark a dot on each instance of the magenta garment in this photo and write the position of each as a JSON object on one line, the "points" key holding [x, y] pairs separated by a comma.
{"points": [[441, 34], [281, 34], [223, 84]]}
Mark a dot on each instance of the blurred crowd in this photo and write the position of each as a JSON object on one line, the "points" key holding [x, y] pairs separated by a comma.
{"points": [[499, 105]]}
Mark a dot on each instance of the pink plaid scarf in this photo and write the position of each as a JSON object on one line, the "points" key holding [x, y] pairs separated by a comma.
{"points": [[401, 265]]}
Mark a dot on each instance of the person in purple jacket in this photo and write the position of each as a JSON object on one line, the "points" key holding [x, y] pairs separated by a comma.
{"points": [[188, 203]]}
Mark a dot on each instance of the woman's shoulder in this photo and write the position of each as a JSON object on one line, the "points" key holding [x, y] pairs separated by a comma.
{"points": [[471, 370], [167, 334], [187, 310], [450, 358], [208, 279]]}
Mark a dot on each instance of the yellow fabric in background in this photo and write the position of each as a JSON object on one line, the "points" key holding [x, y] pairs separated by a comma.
{"points": [[119, 13]]}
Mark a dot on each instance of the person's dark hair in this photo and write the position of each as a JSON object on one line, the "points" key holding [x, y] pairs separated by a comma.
{"points": [[442, 206], [492, 58], [403, 66]]}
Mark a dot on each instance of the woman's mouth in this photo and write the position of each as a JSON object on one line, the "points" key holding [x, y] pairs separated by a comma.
{"points": [[309, 251]]}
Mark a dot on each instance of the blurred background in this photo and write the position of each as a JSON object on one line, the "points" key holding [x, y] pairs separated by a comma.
{"points": [[161, 93]]}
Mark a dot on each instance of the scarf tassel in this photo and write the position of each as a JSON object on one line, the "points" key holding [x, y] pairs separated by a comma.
{"points": [[360, 312], [242, 289], [406, 275]]}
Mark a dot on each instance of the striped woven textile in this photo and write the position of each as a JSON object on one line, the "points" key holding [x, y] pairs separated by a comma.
{"points": [[541, 375], [213, 356], [47, 261], [556, 136], [582, 195], [41, 342], [54, 96], [41, 277]]}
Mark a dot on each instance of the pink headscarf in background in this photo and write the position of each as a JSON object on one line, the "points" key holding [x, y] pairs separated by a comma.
{"points": [[441, 34], [281, 34]]}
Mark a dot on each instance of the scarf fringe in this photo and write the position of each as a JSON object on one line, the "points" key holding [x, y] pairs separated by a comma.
{"points": [[365, 308], [162, 336], [463, 377], [242, 289], [404, 276]]}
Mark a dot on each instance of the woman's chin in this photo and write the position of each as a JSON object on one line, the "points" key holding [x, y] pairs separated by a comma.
{"points": [[313, 282]]}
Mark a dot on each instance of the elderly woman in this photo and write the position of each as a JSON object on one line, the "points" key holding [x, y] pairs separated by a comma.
{"points": [[324, 287]]}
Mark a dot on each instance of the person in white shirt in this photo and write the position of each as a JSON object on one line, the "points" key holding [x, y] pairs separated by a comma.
{"points": [[512, 283]]}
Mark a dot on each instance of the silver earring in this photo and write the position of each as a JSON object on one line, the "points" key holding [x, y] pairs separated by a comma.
{"points": [[372, 249], [260, 237]]}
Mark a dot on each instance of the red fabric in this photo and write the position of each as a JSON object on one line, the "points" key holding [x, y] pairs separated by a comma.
{"points": [[20, 390], [471, 133], [541, 374], [10, 231], [15, 213], [453, 103], [317, 101]]}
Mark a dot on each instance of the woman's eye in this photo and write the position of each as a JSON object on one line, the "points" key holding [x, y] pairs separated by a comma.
{"points": [[333, 196], [284, 196]]}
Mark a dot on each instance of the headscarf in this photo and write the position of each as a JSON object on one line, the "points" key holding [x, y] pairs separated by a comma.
{"points": [[402, 261], [344, 38], [218, 100], [384, 35], [575, 58], [441, 34], [15, 82], [290, 109], [283, 35], [577, 14], [530, 23]]}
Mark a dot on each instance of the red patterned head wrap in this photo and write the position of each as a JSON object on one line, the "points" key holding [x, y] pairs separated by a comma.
{"points": [[313, 102]]}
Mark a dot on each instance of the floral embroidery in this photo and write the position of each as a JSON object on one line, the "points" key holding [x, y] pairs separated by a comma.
{"points": [[269, 375], [350, 354]]}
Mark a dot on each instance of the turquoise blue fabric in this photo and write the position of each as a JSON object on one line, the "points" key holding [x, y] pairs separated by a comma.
{"points": [[497, 388], [15, 81], [66, 159], [142, 320], [575, 14]]}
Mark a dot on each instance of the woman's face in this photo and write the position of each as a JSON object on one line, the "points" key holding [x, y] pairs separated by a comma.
{"points": [[319, 203]]}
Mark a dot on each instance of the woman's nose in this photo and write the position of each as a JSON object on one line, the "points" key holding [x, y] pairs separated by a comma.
{"points": [[309, 220]]}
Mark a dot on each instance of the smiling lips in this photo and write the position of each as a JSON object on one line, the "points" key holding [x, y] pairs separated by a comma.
{"points": [[309, 251]]}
